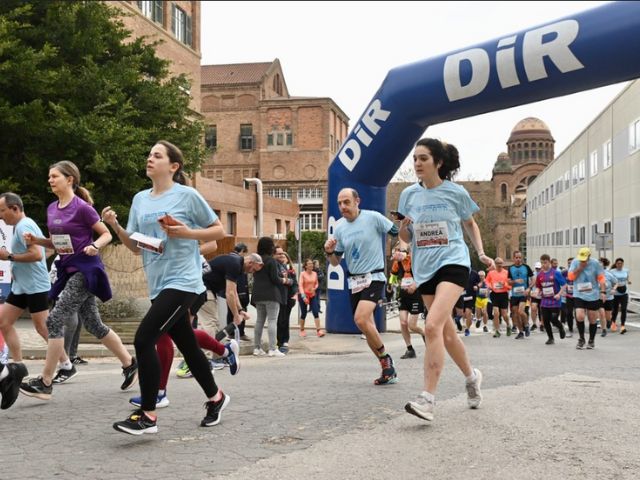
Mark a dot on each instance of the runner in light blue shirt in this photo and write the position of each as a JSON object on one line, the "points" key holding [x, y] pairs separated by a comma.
{"points": [[28, 277], [357, 238], [621, 296]]}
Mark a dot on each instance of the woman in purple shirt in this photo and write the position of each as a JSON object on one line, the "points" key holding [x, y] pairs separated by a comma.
{"points": [[72, 222], [552, 286]]}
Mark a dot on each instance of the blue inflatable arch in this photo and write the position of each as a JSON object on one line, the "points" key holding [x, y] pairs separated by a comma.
{"points": [[588, 50]]}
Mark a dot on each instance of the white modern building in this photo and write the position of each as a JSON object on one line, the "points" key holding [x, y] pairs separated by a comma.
{"points": [[592, 187]]}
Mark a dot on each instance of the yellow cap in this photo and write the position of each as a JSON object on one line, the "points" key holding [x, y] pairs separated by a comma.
{"points": [[583, 254]]}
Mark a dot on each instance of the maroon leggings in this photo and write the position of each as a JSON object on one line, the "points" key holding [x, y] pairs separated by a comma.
{"points": [[164, 346]]}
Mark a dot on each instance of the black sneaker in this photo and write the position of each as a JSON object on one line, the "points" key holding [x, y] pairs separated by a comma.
{"points": [[65, 374], [35, 387], [10, 386], [563, 332], [478, 323], [78, 361], [485, 329], [214, 411], [580, 344], [591, 345], [130, 375], [409, 354], [551, 341], [604, 332], [137, 424], [534, 327], [458, 323], [520, 336]]}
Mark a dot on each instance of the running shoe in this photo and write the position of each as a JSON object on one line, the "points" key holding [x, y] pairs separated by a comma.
{"points": [[183, 371], [485, 329], [162, 401], [130, 375], [580, 344], [623, 330], [233, 356], [137, 424], [551, 341], [320, 333], [466, 332], [284, 348], [496, 334], [217, 363], [534, 327], [258, 352], [562, 331], [421, 407], [36, 388], [78, 361], [458, 324], [508, 331], [302, 333], [527, 331], [246, 338], [474, 396], [214, 411], [520, 336], [478, 323], [569, 334], [65, 374], [614, 327], [604, 332], [388, 375], [591, 345], [276, 353], [10, 385], [409, 354]]}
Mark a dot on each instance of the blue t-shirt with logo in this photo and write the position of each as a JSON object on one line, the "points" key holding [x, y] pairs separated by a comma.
{"points": [[359, 242], [521, 276], [581, 287], [28, 277], [622, 278], [436, 232], [610, 281], [178, 266]]}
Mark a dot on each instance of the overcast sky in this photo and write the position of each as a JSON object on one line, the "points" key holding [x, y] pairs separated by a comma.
{"points": [[343, 50]]}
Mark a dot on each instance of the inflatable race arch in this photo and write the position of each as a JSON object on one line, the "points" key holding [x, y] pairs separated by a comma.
{"points": [[583, 51]]}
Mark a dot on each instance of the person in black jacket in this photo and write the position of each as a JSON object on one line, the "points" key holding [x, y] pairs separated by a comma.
{"points": [[243, 291], [266, 297], [288, 292]]}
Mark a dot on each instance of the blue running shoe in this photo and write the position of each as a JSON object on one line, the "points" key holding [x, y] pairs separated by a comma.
{"points": [[161, 401], [233, 357]]}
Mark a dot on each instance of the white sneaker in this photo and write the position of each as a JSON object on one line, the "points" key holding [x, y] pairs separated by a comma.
{"points": [[258, 352], [474, 397], [421, 407], [276, 353]]}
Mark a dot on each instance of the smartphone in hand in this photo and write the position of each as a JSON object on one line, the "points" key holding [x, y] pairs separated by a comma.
{"points": [[397, 214]]}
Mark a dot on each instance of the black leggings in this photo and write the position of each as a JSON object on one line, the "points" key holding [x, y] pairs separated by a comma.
{"points": [[550, 316], [620, 304], [169, 314], [567, 313]]}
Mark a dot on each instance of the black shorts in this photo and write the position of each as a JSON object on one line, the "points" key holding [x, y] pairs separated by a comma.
{"points": [[412, 304], [500, 300], [373, 293], [456, 274], [202, 298], [460, 303], [592, 305], [536, 300], [607, 305], [515, 301], [35, 302], [470, 304]]}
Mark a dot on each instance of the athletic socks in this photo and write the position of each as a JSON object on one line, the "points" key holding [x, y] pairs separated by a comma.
{"points": [[66, 365], [471, 378], [581, 329], [430, 397], [593, 328]]}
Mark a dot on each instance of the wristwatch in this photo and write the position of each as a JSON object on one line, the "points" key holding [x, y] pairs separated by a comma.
{"points": [[10, 257]]}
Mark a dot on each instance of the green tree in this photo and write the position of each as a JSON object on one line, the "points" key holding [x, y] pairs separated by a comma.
{"points": [[75, 86], [312, 246]]}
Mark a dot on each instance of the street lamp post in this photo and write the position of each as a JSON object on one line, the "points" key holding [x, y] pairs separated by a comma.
{"points": [[258, 183]]}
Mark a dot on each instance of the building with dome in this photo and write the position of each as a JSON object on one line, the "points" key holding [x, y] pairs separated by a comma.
{"points": [[503, 199]]}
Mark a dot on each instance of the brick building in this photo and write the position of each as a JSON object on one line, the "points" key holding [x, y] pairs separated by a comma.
{"points": [[502, 200], [255, 128]]}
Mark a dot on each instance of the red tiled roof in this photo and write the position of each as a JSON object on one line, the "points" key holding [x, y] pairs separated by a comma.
{"points": [[235, 73]]}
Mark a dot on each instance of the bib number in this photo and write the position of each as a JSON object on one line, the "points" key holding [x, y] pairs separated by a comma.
{"points": [[585, 287], [499, 285], [150, 244], [569, 289], [483, 292], [518, 290], [62, 244], [406, 282], [548, 292], [429, 235], [358, 283]]}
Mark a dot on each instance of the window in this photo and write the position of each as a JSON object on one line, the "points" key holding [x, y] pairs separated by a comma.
{"points": [[548, 239], [219, 176], [581, 171], [269, 139], [574, 175], [594, 232], [634, 236], [310, 193], [607, 226], [607, 157], [287, 226], [593, 163], [552, 188], [211, 137], [152, 9], [634, 135], [583, 235], [289, 139], [231, 223], [567, 180], [311, 221], [280, 138], [278, 226], [575, 236], [246, 136], [503, 192], [279, 192], [546, 195], [566, 237], [181, 25]]}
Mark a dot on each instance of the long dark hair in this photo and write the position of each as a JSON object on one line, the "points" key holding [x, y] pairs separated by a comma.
{"points": [[266, 246], [175, 156], [443, 153]]}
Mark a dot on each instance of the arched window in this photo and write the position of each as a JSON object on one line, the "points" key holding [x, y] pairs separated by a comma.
{"points": [[503, 192], [507, 252], [277, 84]]}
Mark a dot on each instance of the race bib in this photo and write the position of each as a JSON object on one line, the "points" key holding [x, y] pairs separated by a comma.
{"points": [[406, 282], [498, 285], [62, 244], [518, 290], [467, 299], [621, 283], [428, 235], [358, 283], [569, 288], [548, 291], [585, 287], [483, 292], [150, 244]]}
